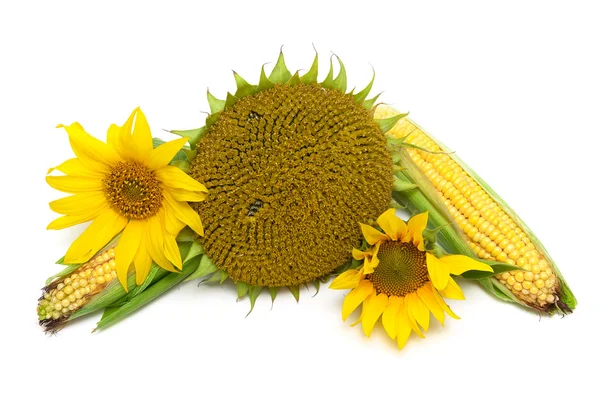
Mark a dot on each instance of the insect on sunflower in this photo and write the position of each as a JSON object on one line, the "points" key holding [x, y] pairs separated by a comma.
{"points": [[400, 281]]}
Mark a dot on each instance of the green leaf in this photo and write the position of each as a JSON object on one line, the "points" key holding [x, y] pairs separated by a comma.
{"points": [[498, 268], [295, 291], [273, 292], [401, 185], [341, 81], [328, 82], [361, 96], [231, 100], [317, 284], [205, 267], [194, 135], [294, 80], [186, 235], [195, 250], [280, 73], [182, 165], [215, 104], [242, 289], [146, 296], [368, 104], [313, 72], [388, 123], [253, 293], [243, 88], [264, 83]]}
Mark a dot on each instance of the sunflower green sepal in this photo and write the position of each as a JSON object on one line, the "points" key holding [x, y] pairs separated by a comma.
{"points": [[281, 75]]}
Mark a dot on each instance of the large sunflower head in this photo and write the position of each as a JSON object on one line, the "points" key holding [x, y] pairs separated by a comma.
{"points": [[292, 165], [126, 186], [400, 281]]}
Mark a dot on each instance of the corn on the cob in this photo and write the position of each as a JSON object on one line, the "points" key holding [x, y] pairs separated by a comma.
{"points": [[490, 229], [65, 296]]}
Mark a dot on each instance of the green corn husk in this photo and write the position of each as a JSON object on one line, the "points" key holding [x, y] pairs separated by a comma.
{"points": [[425, 197]]}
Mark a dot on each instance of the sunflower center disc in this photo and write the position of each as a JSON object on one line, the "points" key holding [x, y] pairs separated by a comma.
{"points": [[133, 190], [291, 171], [402, 269]]}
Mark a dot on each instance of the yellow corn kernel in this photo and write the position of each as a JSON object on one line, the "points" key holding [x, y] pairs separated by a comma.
{"points": [[63, 297], [491, 232]]}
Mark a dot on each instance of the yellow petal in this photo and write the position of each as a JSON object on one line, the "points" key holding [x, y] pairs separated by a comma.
{"points": [[81, 203], [112, 136], [356, 297], [70, 220], [74, 184], [426, 294], [393, 226], [347, 280], [176, 178], [415, 226], [106, 226], [372, 235], [127, 248], [444, 306], [418, 310], [184, 213], [359, 255], [74, 167], [93, 153], [452, 291], [370, 264], [372, 309], [142, 260], [409, 304], [154, 241], [459, 264], [172, 251], [141, 135], [439, 272], [390, 316], [185, 195], [163, 154], [403, 327]]}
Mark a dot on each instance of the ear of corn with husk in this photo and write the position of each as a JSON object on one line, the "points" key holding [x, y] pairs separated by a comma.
{"points": [[79, 290], [471, 219]]}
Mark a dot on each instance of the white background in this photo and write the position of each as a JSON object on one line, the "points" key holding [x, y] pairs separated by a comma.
{"points": [[513, 87]]}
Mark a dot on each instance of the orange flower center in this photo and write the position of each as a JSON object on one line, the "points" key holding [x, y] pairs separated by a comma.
{"points": [[132, 190], [402, 269]]}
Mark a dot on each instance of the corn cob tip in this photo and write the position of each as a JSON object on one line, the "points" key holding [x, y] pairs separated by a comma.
{"points": [[63, 297]]}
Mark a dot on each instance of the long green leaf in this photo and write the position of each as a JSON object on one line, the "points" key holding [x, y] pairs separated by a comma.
{"points": [[146, 296]]}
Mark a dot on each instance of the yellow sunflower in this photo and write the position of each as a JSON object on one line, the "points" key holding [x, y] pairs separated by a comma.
{"points": [[125, 185], [400, 281]]}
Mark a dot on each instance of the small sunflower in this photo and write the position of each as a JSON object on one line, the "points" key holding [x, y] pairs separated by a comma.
{"points": [[126, 186], [400, 281]]}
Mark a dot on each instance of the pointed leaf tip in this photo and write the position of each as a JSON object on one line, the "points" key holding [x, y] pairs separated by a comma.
{"points": [[361, 96], [313, 72], [264, 83], [280, 73], [243, 87], [328, 82], [388, 123], [215, 104], [341, 81], [253, 293], [295, 291]]}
